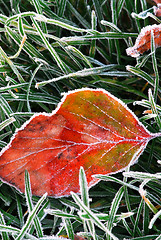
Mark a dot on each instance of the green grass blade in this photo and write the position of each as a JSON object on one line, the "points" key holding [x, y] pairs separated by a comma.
{"points": [[85, 200], [20, 27], [59, 62], [20, 210], [92, 50], [28, 48], [154, 109], [92, 216], [28, 195], [11, 64], [98, 11], [6, 122], [114, 208], [29, 87], [120, 5], [14, 231], [154, 61], [83, 187], [42, 18], [69, 228], [7, 110], [38, 8], [11, 87], [141, 74], [78, 16], [82, 73], [138, 216], [4, 234], [81, 56], [30, 218]]}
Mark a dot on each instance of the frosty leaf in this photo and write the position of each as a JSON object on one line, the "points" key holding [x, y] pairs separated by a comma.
{"points": [[89, 128], [143, 41]]}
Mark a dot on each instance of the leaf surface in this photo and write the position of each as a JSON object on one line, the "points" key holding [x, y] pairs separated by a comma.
{"points": [[89, 128], [143, 41]]}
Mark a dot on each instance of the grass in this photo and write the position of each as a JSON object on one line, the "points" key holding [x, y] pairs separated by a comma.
{"points": [[50, 47]]}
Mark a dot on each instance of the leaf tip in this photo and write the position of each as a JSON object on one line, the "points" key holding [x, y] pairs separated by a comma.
{"points": [[37, 85], [128, 67], [131, 51]]}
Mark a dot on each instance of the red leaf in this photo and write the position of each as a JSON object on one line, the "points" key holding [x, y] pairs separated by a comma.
{"points": [[89, 128], [157, 1], [143, 41]]}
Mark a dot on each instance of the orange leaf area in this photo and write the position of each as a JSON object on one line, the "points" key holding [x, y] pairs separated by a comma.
{"points": [[157, 1], [143, 41], [89, 128]]}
